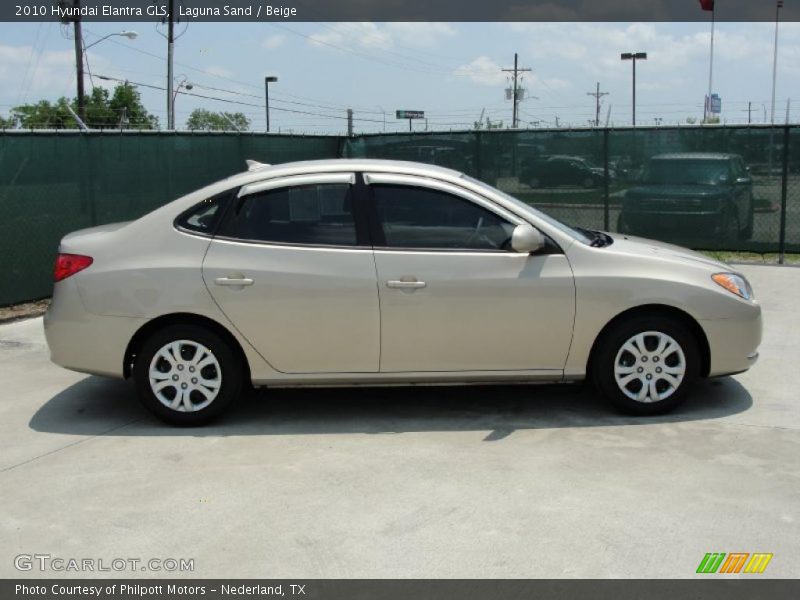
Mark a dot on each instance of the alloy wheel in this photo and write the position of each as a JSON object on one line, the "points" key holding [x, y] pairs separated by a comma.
{"points": [[185, 376], [649, 367]]}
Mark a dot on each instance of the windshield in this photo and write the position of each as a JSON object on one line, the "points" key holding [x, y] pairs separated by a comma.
{"points": [[686, 171], [570, 231]]}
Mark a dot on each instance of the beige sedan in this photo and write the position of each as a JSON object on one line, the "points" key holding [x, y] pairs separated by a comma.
{"points": [[370, 272]]}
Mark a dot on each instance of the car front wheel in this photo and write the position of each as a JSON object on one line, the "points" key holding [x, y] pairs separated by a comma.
{"points": [[646, 364], [187, 375]]}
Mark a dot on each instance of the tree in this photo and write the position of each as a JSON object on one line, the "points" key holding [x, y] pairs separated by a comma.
{"points": [[123, 109], [126, 103], [204, 120], [7, 123], [488, 124], [44, 115]]}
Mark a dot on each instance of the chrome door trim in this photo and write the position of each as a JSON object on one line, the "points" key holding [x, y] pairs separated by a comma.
{"points": [[296, 180]]}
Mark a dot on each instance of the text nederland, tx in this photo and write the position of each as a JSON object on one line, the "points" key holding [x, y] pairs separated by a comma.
{"points": [[157, 590]]}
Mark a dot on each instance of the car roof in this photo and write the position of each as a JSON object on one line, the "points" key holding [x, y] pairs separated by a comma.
{"points": [[695, 156], [258, 171]]}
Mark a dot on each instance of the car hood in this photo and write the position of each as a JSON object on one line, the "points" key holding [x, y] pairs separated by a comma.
{"points": [[674, 191], [631, 245]]}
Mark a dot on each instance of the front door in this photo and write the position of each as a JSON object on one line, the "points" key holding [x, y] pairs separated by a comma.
{"points": [[454, 296]]}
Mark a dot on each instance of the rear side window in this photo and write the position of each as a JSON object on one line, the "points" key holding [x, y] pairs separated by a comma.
{"points": [[416, 217], [203, 217], [320, 214]]}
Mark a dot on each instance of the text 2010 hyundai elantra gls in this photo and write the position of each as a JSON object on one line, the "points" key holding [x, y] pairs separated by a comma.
{"points": [[382, 272]]}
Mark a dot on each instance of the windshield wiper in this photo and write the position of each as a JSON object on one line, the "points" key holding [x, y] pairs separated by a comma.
{"points": [[598, 239]]}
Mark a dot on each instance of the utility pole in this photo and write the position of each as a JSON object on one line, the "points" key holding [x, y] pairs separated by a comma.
{"points": [[79, 59], [597, 95], [515, 94], [170, 46], [349, 122]]}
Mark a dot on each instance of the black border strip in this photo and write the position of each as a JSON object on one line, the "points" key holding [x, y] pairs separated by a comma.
{"points": [[402, 10], [712, 588]]}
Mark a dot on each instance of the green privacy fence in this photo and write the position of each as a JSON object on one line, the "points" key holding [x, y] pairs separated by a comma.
{"points": [[52, 183]]}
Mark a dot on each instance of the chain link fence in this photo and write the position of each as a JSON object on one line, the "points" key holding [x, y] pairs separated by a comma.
{"points": [[710, 188]]}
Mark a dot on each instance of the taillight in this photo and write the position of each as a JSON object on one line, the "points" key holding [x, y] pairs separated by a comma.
{"points": [[69, 264]]}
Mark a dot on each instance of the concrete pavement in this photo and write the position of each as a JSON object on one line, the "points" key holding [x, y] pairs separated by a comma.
{"points": [[513, 481]]}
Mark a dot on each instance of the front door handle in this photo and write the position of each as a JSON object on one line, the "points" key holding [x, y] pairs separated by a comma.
{"points": [[414, 285], [233, 281]]}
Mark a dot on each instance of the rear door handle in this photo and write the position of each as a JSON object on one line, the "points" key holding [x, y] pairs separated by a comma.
{"points": [[394, 283], [233, 281]]}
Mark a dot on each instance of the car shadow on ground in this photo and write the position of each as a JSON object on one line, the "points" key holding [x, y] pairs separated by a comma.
{"points": [[99, 406]]}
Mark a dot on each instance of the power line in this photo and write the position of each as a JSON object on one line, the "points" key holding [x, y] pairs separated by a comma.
{"points": [[237, 102]]}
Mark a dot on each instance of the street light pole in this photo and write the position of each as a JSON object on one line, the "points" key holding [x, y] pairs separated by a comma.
{"points": [[633, 57], [778, 6], [707, 105], [267, 81]]}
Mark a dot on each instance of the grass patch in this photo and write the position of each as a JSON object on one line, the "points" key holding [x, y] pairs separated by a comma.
{"points": [[769, 258]]}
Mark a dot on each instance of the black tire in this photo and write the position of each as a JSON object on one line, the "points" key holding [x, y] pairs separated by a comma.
{"points": [[747, 232], [589, 183], [534, 182], [730, 227], [229, 373], [622, 226], [610, 346]]}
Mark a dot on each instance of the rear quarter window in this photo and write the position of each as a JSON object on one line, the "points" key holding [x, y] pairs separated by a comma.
{"points": [[203, 217]]}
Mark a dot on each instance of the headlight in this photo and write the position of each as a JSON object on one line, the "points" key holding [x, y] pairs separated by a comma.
{"points": [[736, 284]]}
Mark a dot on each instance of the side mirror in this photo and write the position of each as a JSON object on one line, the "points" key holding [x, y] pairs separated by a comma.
{"points": [[526, 239]]}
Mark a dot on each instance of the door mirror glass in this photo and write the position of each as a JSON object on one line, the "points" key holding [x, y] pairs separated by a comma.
{"points": [[526, 239]]}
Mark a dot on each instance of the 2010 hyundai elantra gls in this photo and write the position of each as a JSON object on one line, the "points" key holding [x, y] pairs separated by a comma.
{"points": [[382, 272]]}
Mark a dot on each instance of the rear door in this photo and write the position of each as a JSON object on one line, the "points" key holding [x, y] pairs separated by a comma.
{"points": [[294, 273]]}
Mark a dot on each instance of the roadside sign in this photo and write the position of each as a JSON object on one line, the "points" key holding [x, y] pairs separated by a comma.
{"points": [[410, 114], [715, 104]]}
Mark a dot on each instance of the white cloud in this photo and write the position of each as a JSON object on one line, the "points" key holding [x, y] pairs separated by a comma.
{"points": [[273, 41], [483, 70], [51, 70], [422, 35], [383, 37], [218, 71], [366, 35]]}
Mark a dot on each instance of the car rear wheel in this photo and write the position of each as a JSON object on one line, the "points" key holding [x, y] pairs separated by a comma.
{"points": [[646, 364], [534, 182], [730, 226], [187, 375], [747, 232]]}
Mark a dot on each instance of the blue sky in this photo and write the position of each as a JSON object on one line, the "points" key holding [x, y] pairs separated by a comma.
{"points": [[450, 70]]}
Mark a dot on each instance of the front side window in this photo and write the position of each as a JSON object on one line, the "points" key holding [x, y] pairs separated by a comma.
{"points": [[318, 214], [417, 217]]}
